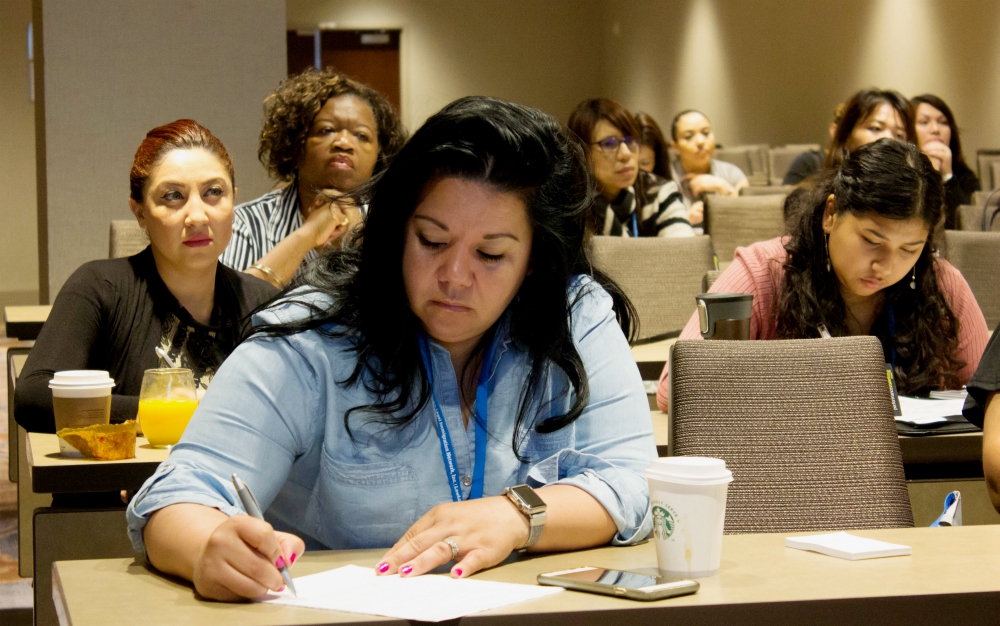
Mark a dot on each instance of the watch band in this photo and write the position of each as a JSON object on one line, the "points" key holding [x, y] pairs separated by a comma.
{"points": [[536, 515]]}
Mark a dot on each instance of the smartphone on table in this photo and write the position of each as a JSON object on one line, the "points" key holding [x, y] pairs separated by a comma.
{"points": [[619, 583]]}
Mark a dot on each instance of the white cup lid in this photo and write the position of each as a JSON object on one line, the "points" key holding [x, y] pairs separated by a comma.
{"points": [[690, 470], [76, 379]]}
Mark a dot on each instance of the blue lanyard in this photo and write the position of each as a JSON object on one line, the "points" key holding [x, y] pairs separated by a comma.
{"points": [[447, 450], [635, 226]]}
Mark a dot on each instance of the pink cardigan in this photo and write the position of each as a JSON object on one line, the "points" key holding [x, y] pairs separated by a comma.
{"points": [[759, 268]]}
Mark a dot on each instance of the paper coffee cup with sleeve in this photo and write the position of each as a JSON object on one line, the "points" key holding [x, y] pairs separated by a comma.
{"points": [[687, 495], [80, 398]]}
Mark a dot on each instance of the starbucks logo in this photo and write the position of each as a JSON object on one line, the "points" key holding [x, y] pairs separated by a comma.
{"points": [[663, 523]]}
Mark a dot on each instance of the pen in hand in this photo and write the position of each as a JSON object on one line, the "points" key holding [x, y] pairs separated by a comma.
{"points": [[250, 504]]}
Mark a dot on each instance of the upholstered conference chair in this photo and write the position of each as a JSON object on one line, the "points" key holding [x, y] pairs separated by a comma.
{"points": [[767, 190], [741, 221], [805, 425], [977, 256], [127, 238], [661, 276]]}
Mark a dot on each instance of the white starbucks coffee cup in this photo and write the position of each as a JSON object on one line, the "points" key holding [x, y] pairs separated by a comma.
{"points": [[80, 398], [688, 499]]}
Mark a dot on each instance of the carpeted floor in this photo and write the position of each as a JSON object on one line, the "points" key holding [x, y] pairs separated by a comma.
{"points": [[15, 592]]}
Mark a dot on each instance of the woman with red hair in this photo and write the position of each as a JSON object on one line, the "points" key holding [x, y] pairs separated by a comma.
{"points": [[174, 295]]}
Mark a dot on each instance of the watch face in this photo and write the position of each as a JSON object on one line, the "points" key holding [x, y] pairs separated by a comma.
{"points": [[528, 496]]}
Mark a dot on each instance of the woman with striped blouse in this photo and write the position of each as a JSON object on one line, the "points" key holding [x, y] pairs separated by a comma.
{"points": [[630, 202], [324, 135]]}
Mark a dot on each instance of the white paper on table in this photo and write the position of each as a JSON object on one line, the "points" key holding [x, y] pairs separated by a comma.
{"points": [[920, 411], [427, 598], [846, 546]]}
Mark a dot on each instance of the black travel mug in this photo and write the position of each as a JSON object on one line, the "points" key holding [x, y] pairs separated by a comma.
{"points": [[724, 315]]}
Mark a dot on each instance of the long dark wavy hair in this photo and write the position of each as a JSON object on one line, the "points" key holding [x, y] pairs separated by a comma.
{"points": [[890, 179], [513, 149]]}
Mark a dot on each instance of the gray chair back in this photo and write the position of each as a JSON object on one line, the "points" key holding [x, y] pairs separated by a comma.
{"points": [[767, 190], [709, 279], [977, 256], [780, 159], [984, 161], [738, 156], [740, 221], [805, 425], [660, 275], [126, 239], [980, 197]]}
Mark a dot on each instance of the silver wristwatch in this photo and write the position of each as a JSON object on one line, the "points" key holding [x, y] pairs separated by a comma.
{"points": [[531, 506]]}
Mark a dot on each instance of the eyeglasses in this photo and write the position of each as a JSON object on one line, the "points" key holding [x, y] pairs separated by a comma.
{"points": [[610, 145]]}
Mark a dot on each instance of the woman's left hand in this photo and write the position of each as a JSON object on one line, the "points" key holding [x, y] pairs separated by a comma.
{"points": [[486, 531]]}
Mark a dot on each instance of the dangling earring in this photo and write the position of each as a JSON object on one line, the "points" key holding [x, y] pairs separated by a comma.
{"points": [[827, 239], [913, 278]]}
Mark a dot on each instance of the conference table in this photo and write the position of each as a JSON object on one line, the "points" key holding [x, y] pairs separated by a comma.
{"points": [[86, 518], [952, 577]]}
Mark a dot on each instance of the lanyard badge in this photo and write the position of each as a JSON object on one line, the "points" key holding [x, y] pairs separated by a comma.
{"points": [[447, 449]]}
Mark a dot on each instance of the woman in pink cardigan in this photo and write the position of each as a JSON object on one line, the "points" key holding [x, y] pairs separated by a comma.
{"points": [[860, 261]]}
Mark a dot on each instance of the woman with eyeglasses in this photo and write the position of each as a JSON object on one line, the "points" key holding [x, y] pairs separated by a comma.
{"points": [[698, 172], [629, 202]]}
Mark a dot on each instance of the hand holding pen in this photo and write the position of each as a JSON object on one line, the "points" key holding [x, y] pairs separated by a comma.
{"points": [[253, 510]]}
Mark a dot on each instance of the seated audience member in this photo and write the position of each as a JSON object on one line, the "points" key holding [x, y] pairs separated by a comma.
{"points": [[867, 116], [810, 162], [447, 325], [859, 261], [175, 295], [629, 202], [323, 135], [937, 136], [982, 408], [653, 155], [696, 171]]}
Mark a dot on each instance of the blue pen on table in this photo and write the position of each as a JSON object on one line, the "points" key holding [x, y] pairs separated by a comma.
{"points": [[250, 504]]}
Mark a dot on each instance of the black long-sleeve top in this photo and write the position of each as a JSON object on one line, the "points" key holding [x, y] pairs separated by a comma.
{"points": [[958, 190], [112, 314]]}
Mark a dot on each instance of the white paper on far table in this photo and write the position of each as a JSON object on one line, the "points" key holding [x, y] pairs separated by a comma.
{"points": [[427, 598], [920, 411], [846, 546]]}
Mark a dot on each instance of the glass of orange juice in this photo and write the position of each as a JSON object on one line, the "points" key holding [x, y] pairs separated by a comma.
{"points": [[167, 401]]}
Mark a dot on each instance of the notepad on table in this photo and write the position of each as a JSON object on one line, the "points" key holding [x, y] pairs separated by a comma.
{"points": [[847, 546], [923, 411], [427, 598]]}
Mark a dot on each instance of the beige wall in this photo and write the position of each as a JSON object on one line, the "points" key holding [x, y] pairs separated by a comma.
{"points": [[543, 54], [18, 226], [113, 69], [771, 71]]}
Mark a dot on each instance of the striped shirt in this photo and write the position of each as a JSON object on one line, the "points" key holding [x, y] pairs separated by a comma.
{"points": [[758, 269], [261, 224], [663, 215]]}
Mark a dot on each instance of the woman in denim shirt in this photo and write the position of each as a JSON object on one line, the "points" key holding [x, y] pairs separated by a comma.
{"points": [[469, 314]]}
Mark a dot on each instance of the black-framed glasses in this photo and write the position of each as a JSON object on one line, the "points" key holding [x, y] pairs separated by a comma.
{"points": [[610, 145]]}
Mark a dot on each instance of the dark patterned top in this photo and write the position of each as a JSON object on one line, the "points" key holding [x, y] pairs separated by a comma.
{"points": [[112, 314], [662, 215]]}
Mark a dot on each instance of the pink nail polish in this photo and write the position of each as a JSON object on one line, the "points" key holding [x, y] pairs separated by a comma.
{"points": [[382, 568], [280, 562], [281, 588], [406, 569], [292, 559], [458, 573]]}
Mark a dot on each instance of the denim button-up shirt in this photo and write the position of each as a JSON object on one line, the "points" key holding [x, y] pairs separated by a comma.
{"points": [[274, 414]]}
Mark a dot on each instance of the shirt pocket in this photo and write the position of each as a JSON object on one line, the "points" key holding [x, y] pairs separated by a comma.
{"points": [[365, 505]]}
